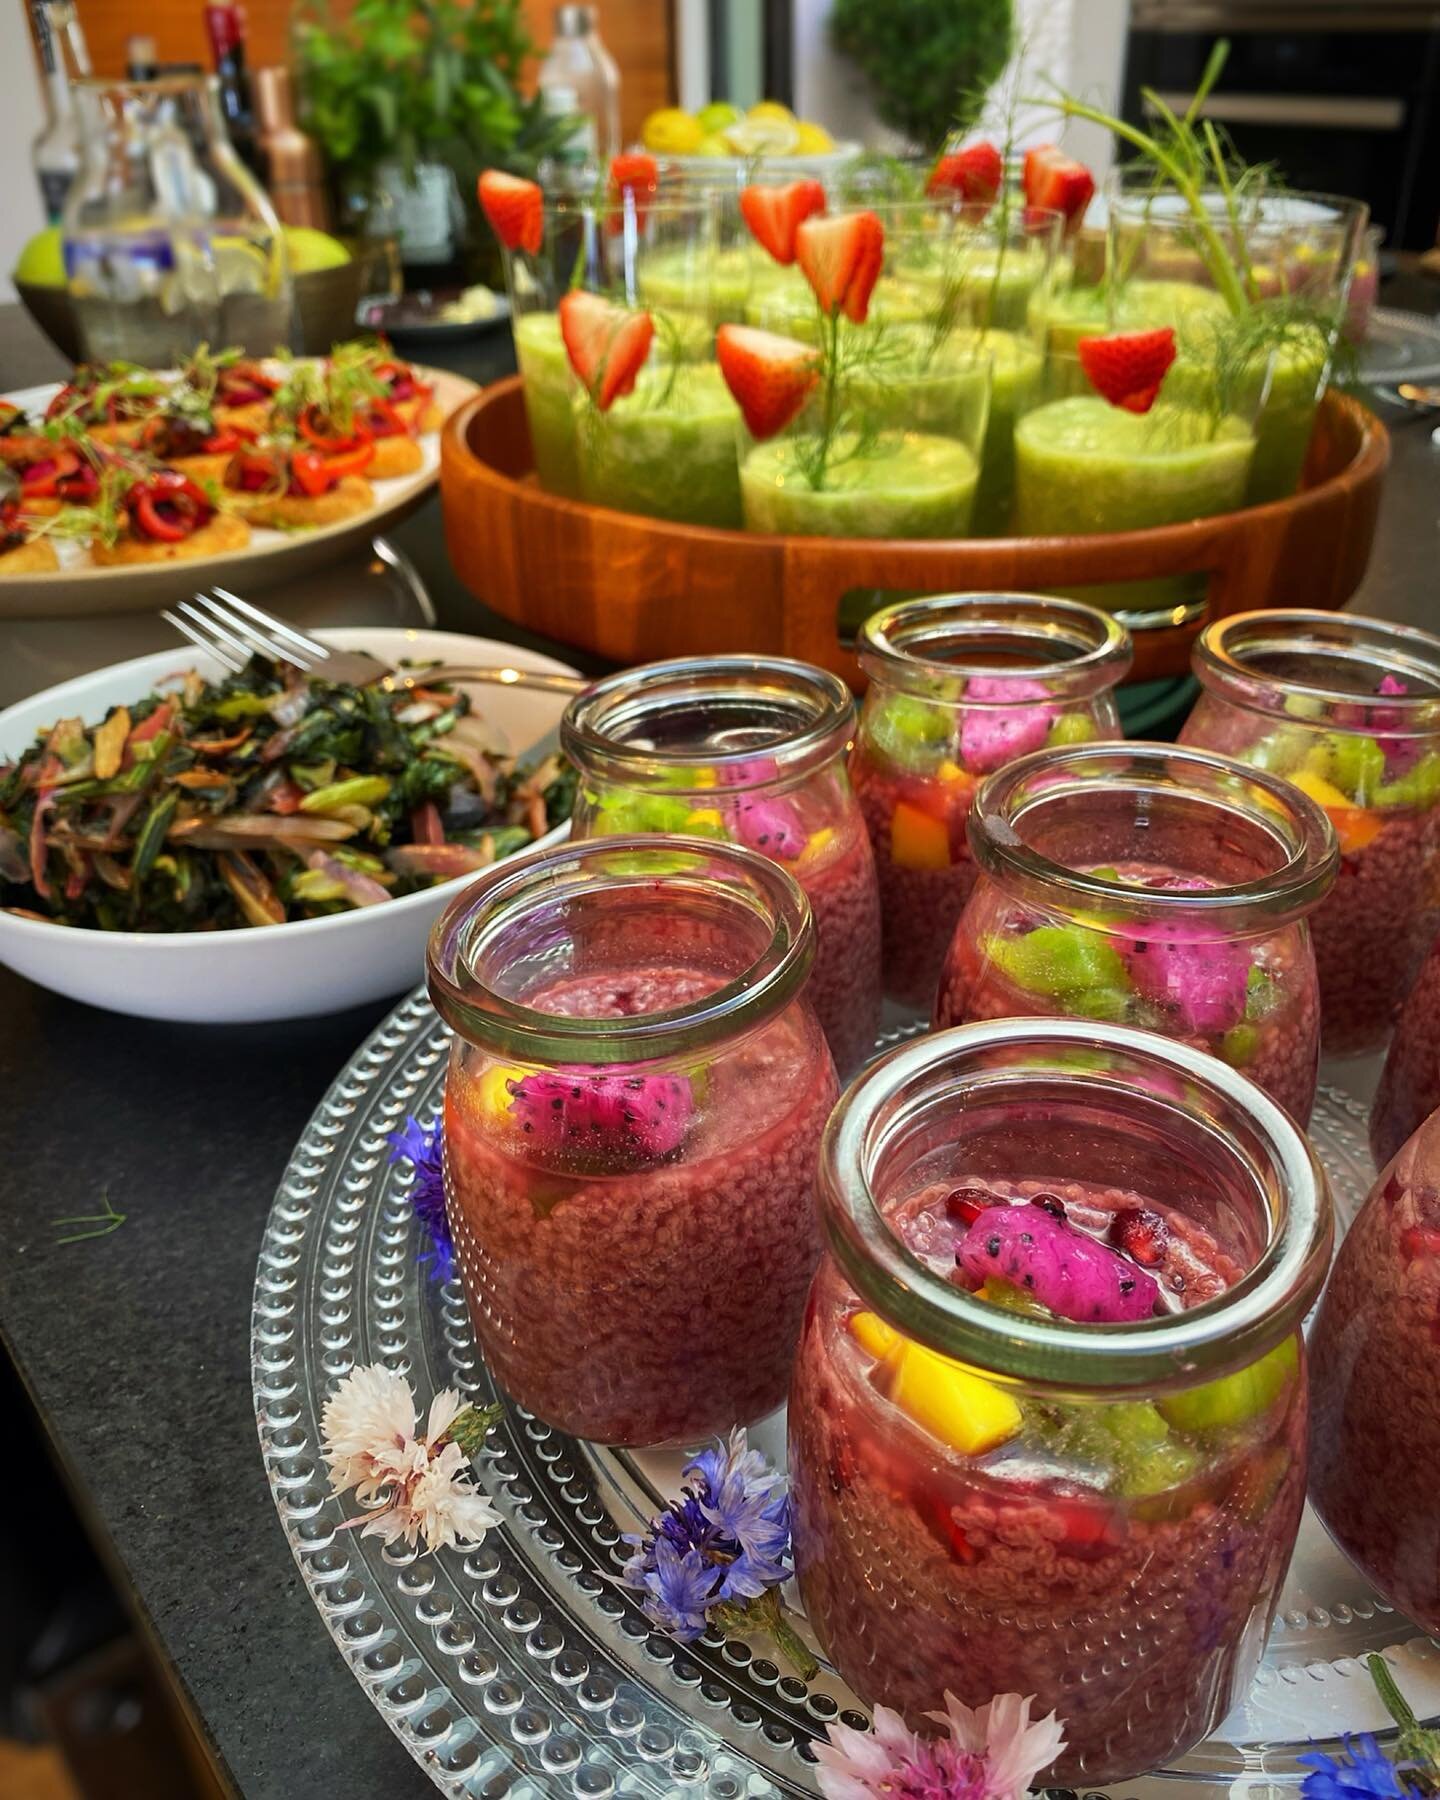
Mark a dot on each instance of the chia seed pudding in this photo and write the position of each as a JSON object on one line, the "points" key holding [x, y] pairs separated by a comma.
{"points": [[960, 686], [1208, 946], [1375, 1352], [632, 1120], [1110, 1543], [1409, 1088], [1348, 709], [750, 751]]}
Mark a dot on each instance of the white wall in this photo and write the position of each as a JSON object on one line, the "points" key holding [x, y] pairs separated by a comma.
{"points": [[21, 111]]}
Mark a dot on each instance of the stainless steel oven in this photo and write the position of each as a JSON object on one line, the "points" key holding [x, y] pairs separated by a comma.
{"points": [[1342, 97]]}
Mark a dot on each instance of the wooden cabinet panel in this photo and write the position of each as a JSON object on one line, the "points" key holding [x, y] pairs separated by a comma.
{"points": [[638, 33]]}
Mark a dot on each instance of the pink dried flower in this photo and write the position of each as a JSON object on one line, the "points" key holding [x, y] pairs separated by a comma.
{"points": [[991, 1753]]}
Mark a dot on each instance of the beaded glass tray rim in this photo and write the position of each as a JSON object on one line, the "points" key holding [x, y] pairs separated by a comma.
{"points": [[522, 1667]]}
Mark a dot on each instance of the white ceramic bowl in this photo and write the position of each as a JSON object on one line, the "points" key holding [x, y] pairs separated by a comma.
{"points": [[274, 972]]}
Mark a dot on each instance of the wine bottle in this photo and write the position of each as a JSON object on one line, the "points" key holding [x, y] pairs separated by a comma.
{"points": [[226, 28], [55, 152]]}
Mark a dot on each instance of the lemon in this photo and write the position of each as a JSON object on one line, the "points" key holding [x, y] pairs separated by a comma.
{"points": [[311, 250], [763, 137], [812, 139], [42, 261], [242, 267], [717, 116], [712, 144], [671, 132], [771, 109]]}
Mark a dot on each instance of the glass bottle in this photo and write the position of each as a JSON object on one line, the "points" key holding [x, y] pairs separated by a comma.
{"points": [[55, 153], [579, 75], [1010, 1470], [749, 750], [168, 239], [1156, 887], [633, 1110], [1375, 1470], [959, 685], [225, 27], [1347, 708]]}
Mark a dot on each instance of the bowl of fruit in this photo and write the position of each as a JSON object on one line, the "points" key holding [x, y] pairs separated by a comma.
{"points": [[719, 142]]}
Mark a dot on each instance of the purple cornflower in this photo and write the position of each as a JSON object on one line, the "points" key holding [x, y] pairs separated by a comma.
{"points": [[722, 1544], [420, 1146], [1361, 1772]]}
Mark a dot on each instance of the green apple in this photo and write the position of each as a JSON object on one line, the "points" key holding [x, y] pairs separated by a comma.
{"points": [[311, 250], [42, 261]]}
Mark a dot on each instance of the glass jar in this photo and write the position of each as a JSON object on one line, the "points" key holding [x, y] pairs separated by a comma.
{"points": [[1409, 1089], [169, 241], [959, 685], [993, 1496], [1376, 1351], [748, 750], [1155, 887], [633, 1110], [1348, 709]]}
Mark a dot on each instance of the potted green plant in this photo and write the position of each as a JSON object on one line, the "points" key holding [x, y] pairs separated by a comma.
{"points": [[399, 90], [928, 62]]}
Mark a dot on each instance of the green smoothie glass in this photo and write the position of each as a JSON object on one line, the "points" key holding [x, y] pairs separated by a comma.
{"points": [[667, 450]]}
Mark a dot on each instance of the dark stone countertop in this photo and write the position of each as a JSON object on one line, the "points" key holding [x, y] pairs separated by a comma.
{"points": [[135, 1347]]}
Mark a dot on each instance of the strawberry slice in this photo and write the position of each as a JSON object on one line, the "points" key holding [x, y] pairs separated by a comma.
{"points": [[1055, 182], [1128, 366], [515, 208], [607, 345], [770, 376], [841, 258], [775, 214], [973, 174], [634, 172]]}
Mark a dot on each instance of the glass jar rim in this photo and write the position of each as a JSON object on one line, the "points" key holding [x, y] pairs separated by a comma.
{"points": [[1219, 654], [1297, 824], [1237, 1327], [893, 642], [579, 871], [822, 705]]}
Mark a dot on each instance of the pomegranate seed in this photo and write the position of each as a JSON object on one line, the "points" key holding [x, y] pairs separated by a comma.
{"points": [[1050, 1203], [966, 1204], [1141, 1235]]}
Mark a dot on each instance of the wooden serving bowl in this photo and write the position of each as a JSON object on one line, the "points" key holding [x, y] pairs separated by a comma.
{"points": [[636, 589]]}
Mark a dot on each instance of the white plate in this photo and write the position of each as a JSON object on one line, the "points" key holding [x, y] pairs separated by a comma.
{"points": [[273, 972], [79, 588]]}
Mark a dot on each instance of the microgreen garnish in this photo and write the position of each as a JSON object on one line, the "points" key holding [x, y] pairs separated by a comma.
{"points": [[103, 1223]]}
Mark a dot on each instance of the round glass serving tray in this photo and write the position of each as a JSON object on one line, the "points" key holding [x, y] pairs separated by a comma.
{"points": [[523, 1668]]}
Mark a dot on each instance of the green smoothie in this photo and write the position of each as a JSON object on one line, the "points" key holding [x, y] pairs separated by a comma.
{"points": [[897, 485], [668, 450], [1017, 370], [1083, 466], [906, 380], [1060, 319], [993, 285], [684, 279], [783, 303], [550, 401], [1282, 431]]}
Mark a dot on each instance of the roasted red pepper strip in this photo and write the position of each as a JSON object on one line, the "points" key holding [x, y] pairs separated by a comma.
{"points": [[313, 428], [186, 507], [382, 420], [309, 472]]}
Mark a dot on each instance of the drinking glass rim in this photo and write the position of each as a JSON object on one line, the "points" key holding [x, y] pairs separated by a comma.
{"points": [[494, 1022], [1312, 853], [1235, 1328], [1218, 663], [630, 695], [1104, 661]]}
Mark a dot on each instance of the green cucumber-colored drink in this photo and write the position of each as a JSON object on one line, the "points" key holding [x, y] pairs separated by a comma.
{"points": [[668, 450], [894, 485], [550, 400]]}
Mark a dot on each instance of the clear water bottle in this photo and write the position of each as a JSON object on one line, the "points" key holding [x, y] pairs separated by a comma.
{"points": [[168, 238], [579, 75]]}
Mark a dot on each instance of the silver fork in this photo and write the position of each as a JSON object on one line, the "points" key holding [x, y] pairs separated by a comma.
{"points": [[232, 630]]}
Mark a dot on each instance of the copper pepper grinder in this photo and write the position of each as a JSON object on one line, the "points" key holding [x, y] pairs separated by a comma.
{"points": [[296, 173]]}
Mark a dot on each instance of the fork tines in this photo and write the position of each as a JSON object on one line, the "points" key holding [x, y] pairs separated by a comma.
{"points": [[232, 630]]}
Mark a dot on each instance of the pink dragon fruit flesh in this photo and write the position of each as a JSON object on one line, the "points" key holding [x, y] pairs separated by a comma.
{"points": [[616, 1120], [1201, 980], [772, 827], [992, 735], [1044, 1256]]}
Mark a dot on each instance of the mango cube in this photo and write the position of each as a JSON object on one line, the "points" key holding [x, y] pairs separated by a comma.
{"points": [[960, 1408], [918, 841]]}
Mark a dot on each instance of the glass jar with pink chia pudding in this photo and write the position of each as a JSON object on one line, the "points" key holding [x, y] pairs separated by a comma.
{"points": [[633, 1109], [960, 685], [1409, 1089], [1152, 886], [747, 750], [1375, 1351], [1348, 709], [1048, 1418]]}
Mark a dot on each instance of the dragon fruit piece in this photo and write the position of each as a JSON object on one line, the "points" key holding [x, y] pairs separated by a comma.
{"points": [[753, 772], [1071, 1274], [990, 737], [1401, 753], [771, 826], [620, 1119], [1204, 979]]}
